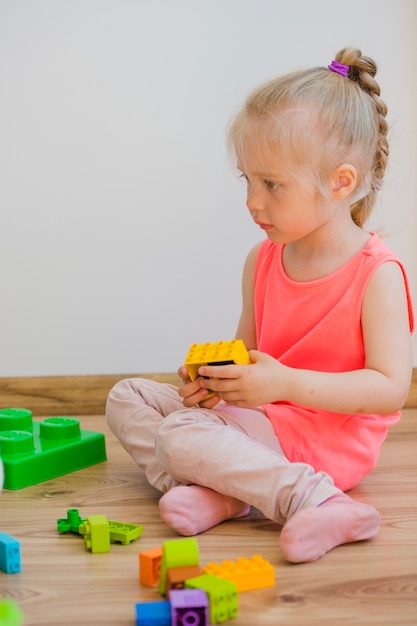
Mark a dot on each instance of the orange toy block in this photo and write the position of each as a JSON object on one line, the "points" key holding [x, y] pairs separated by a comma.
{"points": [[247, 574], [150, 566], [176, 576]]}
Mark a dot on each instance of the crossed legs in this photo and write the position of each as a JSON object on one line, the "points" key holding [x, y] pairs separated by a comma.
{"points": [[212, 464]]}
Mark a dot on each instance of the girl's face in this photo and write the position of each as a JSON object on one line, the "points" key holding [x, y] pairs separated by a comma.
{"points": [[286, 208]]}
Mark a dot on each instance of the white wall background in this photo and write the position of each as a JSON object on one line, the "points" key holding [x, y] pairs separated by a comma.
{"points": [[123, 228]]}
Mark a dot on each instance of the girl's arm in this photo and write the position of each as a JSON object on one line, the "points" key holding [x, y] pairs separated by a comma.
{"points": [[383, 384], [246, 329], [380, 387]]}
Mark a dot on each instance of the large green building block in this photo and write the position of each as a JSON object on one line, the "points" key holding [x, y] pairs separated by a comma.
{"points": [[34, 451]]}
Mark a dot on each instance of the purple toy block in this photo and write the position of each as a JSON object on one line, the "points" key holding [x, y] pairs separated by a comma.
{"points": [[189, 607]]}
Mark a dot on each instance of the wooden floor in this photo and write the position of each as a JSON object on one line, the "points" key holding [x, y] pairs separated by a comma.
{"points": [[62, 584]]}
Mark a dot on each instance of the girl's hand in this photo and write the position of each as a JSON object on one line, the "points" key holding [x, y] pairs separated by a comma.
{"points": [[262, 382], [193, 392]]}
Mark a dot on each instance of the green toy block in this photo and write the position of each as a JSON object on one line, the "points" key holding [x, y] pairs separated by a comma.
{"points": [[34, 451], [72, 522], [124, 533], [96, 531], [177, 553], [222, 595], [10, 614]]}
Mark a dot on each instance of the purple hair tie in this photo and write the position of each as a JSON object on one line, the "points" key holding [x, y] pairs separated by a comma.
{"points": [[339, 68]]}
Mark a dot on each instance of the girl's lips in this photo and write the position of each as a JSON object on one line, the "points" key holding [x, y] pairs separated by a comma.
{"points": [[264, 226]]}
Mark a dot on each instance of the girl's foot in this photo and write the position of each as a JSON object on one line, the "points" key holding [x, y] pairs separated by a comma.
{"points": [[313, 531], [190, 510]]}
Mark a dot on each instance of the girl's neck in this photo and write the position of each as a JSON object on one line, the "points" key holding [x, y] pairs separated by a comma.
{"points": [[322, 253]]}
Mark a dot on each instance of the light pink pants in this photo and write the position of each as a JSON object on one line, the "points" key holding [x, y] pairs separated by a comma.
{"points": [[230, 450]]}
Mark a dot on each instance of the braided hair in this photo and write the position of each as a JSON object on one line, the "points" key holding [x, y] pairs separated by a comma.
{"points": [[362, 71]]}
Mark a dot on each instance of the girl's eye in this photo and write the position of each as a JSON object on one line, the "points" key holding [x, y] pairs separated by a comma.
{"points": [[270, 184], [244, 177]]}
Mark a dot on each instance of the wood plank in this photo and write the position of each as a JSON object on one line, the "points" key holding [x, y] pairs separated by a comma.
{"points": [[86, 395], [66, 395], [371, 583]]}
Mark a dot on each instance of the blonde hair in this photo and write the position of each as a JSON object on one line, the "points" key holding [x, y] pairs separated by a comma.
{"points": [[322, 119]]}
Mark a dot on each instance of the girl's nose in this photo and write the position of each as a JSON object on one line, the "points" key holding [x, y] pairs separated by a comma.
{"points": [[254, 200]]}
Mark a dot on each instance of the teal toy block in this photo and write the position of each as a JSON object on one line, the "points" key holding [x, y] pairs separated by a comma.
{"points": [[10, 614], [124, 533], [177, 553], [222, 595], [72, 523], [34, 451], [96, 532], [9, 554]]}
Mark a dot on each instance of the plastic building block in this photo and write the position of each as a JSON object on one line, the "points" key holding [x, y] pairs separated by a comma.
{"points": [[72, 523], [35, 451], [222, 595], [96, 531], [248, 574], [150, 566], [9, 554], [153, 613], [119, 531], [10, 614], [177, 553], [219, 353], [124, 533], [189, 607], [176, 576]]}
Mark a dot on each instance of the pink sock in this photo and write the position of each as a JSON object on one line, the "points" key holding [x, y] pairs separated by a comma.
{"points": [[192, 509], [313, 531]]}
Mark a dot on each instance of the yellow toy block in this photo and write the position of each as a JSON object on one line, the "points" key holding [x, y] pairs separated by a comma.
{"points": [[247, 574], [219, 353]]}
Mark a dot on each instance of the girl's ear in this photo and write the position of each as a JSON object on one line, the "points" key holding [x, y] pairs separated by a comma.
{"points": [[344, 181]]}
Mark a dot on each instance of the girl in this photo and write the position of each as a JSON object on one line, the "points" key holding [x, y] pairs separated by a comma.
{"points": [[326, 316]]}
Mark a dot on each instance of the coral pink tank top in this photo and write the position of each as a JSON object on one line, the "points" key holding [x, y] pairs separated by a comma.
{"points": [[317, 325]]}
